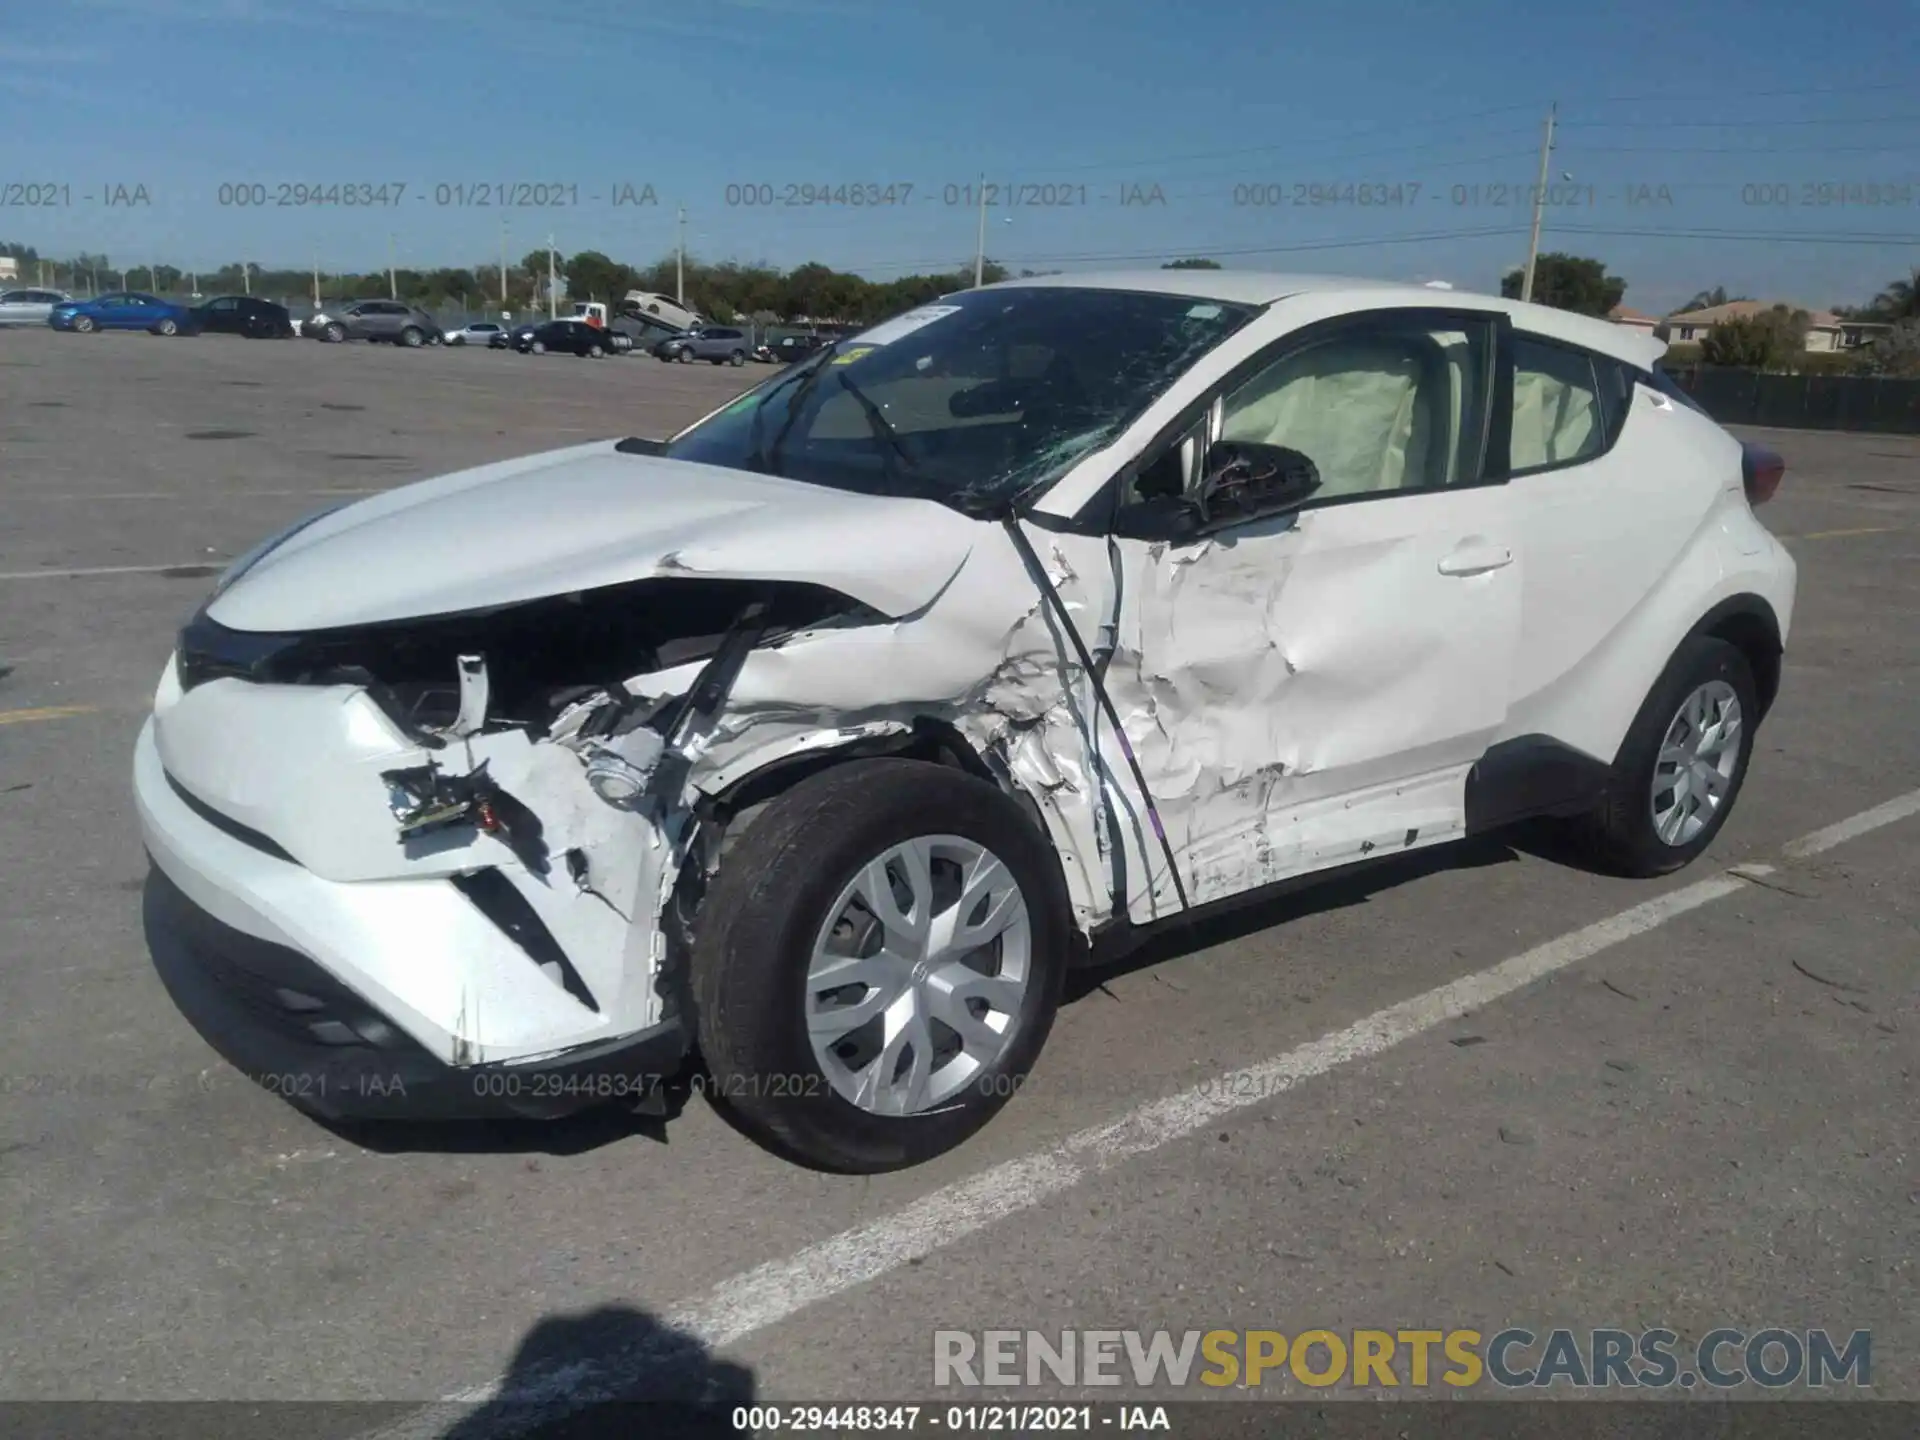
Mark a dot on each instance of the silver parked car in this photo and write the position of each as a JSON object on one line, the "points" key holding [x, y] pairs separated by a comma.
{"points": [[29, 307], [375, 320], [720, 344], [480, 332]]}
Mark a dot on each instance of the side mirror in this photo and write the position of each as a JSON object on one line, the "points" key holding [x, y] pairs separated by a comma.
{"points": [[1245, 480]]}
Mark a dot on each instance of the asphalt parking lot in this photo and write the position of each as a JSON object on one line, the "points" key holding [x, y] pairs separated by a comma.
{"points": [[1701, 1114]]}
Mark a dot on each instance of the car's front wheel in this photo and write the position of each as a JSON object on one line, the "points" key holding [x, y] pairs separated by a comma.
{"points": [[1682, 764], [413, 337], [738, 357], [83, 323], [538, 347], [594, 352], [878, 963], [685, 357], [334, 334]]}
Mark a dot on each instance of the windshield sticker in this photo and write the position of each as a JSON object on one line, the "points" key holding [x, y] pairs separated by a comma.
{"points": [[1204, 312], [904, 325], [853, 355]]}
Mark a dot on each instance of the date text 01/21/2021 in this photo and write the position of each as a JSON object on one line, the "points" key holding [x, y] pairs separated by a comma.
{"points": [[1013, 1419], [896, 194], [390, 194], [59, 195]]}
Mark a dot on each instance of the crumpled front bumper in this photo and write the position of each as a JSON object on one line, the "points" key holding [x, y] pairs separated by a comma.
{"points": [[327, 958]]}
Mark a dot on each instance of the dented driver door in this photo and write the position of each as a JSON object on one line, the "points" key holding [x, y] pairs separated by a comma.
{"points": [[1308, 689]]}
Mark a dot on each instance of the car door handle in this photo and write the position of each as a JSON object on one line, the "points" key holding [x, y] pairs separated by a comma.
{"points": [[1475, 557]]}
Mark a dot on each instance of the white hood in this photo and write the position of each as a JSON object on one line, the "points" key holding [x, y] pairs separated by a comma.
{"points": [[585, 517]]}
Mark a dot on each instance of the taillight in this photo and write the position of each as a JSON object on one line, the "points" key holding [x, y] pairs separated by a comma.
{"points": [[1762, 470]]}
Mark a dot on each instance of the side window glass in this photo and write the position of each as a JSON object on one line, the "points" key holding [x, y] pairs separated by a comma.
{"points": [[1616, 396], [1390, 404], [1557, 419]]}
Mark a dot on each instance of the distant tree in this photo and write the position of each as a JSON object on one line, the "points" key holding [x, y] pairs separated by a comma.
{"points": [[1195, 263], [591, 275], [1899, 301], [1895, 353], [1568, 282], [1770, 340], [1707, 299]]}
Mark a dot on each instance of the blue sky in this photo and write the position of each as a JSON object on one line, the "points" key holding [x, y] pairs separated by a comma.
{"points": [[1679, 124]]}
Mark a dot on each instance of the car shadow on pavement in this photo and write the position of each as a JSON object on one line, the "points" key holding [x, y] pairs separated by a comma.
{"points": [[1228, 920], [613, 1371], [574, 1134]]}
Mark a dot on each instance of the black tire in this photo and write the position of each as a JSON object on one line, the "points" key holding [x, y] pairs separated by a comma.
{"points": [[755, 935], [739, 357], [537, 347], [334, 334], [685, 357], [1619, 836], [594, 352], [83, 324], [413, 337], [167, 327]]}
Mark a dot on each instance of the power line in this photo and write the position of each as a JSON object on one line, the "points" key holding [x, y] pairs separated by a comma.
{"points": [[1894, 149], [1790, 237], [1762, 124], [1666, 96], [1344, 243]]}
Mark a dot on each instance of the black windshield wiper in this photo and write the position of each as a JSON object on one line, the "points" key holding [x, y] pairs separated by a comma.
{"points": [[882, 431], [807, 378]]}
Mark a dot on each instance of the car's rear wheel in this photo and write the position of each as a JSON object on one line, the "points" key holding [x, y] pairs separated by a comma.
{"points": [[1681, 766], [878, 963], [83, 323], [167, 327]]}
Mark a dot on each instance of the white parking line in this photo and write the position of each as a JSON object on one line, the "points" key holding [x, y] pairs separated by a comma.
{"points": [[1897, 808], [186, 569], [769, 1294], [176, 495]]}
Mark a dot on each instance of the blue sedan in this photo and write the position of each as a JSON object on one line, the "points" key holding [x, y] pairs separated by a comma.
{"points": [[122, 310]]}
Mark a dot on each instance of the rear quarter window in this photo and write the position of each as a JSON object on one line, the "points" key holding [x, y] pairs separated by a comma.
{"points": [[1660, 380]]}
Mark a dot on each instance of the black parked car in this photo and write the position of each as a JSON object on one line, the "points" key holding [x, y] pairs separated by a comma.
{"points": [[789, 348], [569, 337], [246, 315]]}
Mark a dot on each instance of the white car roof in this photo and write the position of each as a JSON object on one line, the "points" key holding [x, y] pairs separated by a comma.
{"points": [[1254, 287]]}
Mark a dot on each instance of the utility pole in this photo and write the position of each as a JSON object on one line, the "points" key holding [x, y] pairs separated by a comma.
{"points": [[552, 279], [393, 284], [980, 246], [246, 276], [316, 279], [1539, 203], [503, 266], [680, 262]]}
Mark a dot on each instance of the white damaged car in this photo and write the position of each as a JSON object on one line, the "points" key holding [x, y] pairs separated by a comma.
{"points": [[820, 740]]}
